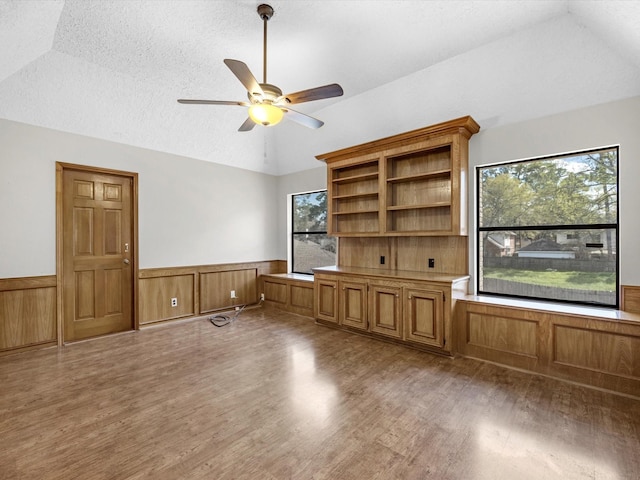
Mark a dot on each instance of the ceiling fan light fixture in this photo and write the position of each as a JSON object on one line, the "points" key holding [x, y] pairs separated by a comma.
{"points": [[265, 114]]}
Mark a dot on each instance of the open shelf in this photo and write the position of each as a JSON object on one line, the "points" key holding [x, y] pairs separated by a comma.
{"points": [[356, 212], [420, 176], [412, 184], [355, 195], [418, 207], [356, 178]]}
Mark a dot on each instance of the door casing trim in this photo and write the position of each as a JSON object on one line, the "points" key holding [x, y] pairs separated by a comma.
{"points": [[60, 168]]}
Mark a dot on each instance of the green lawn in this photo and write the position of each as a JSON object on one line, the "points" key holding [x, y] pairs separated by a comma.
{"points": [[574, 280]]}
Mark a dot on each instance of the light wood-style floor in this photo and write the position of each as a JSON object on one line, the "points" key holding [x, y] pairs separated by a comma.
{"points": [[274, 396]]}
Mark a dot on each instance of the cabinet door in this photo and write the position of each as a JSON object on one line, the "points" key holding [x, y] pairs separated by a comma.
{"points": [[326, 304], [424, 317], [353, 304], [386, 310]]}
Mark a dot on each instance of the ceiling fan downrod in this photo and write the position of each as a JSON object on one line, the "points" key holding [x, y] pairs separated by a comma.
{"points": [[266, 12]]}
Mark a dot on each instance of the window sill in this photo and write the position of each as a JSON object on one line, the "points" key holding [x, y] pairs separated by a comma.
{"points": [[600, 313], [302, 277]]}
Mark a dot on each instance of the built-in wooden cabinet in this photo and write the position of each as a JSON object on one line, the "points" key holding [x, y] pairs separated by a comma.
{"points": [[410, 307], [424, 316], [352, 303], [398, 204], [406, 185], [354, 198], [326, 299], [385, 309]]}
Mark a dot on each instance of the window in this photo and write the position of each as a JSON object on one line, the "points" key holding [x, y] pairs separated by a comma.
{"points": [[548, 228], [310, 245]]}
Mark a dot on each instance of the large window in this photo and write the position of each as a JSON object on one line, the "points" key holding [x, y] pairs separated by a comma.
{"points": [[548, 228], [310, 245]]}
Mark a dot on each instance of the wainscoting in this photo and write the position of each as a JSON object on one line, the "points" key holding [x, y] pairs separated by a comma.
{"points": [[199, 289], [291, 292], [594, 347], [630, 301], [28, 305], [27, 313]]}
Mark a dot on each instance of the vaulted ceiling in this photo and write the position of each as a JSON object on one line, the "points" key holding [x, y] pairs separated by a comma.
{"points": [[113, 69]]}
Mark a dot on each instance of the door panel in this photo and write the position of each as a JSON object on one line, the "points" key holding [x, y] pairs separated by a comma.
{"points": [[425, 317], [97, 224], [386, 310], [353, 304], [326, 300]]}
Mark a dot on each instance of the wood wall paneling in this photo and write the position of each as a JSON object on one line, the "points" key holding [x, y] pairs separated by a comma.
{"points": [[275, 291], [505, 334], [302, 297], [630, 298], [449, 253], [290, 292], [366, 252], [156, 294], [593, 350], [216, 287], [27, 312], [599, 351]]}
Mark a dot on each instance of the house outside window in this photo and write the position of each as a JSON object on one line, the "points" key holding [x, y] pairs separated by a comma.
{"points": [[310, 245], [548, 228]]}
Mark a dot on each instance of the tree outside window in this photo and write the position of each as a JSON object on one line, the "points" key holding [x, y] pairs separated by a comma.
{"points": [[548, 228], [311, 246]]}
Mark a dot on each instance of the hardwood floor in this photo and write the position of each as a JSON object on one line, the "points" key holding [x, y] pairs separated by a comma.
{"points": [[274, 396]]}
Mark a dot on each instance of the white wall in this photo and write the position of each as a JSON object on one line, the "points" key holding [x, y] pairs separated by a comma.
{"points": [[194, 212], [190, 212], [615, 123]]}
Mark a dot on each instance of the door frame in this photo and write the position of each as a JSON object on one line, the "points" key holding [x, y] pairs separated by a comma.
{"points": [[60, 168]]}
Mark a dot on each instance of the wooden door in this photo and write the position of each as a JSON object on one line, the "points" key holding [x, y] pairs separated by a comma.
{"points": [[424, 321], [97, 253], [353, 304], [385, 310]]}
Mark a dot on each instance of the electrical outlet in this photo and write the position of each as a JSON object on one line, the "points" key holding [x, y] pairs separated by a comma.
{"points": [[381, 259], [233, 294], [174, 302], [432, 263], [262, 297], [237, 308]]}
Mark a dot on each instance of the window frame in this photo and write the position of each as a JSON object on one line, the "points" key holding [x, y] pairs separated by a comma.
{"points": [[292, 233], [479, 230]]}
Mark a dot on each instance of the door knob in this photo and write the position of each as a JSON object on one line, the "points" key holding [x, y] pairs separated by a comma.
{"points": [[126, 261]]}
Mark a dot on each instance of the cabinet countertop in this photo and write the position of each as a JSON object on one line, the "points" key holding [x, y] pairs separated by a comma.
{"points": [[393, 274]]}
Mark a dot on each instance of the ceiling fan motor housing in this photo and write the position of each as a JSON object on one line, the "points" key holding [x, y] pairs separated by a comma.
{"points": [[265, 11], [271, 94]]}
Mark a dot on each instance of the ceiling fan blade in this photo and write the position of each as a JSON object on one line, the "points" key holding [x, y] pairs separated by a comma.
{"points": [[211, 102], [318, 93], [245, 76], [247, 125], [302, 119]]}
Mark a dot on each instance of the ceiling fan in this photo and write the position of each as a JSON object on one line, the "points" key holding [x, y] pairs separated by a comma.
{"points": [[267, 105]]}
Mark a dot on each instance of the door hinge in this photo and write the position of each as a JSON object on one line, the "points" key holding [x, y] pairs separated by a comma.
{"points": [[444, 341], [444, 299]]}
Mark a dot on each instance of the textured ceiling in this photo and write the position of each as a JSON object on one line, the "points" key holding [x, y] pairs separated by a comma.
{"points": [[113, 69]]}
